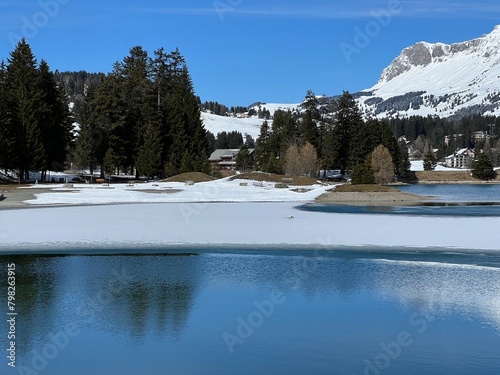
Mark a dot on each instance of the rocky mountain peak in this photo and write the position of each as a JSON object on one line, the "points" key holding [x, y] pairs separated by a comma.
{"points": [[423, 53], [439, 79]]}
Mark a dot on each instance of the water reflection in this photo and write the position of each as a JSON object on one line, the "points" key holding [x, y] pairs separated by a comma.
{"points": [[131, 297], [336, 311]]}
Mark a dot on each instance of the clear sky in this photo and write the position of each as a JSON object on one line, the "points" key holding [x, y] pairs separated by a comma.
{"points": [[242, 51]]}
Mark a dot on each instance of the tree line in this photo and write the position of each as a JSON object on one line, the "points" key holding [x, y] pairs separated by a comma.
{"points": [[143, 118], [338, 138], [35, 121]]}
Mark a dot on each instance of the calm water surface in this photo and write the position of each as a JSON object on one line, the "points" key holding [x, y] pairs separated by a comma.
{"points": [[454, 200], [457, 192], [254, 314]]}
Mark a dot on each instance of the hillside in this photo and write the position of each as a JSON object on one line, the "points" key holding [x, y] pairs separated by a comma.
{"points": [[251, 125]]}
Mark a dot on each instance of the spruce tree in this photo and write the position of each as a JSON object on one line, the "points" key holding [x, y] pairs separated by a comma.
{"points": [[8, 155], [482, 168], [362, 173], [430, 161], [24, 99], [346, 132], [149, 159], [243, 159], [308, 127], [137, 73], [263, 152], [54, 120], [110, 109], [186, 138]]}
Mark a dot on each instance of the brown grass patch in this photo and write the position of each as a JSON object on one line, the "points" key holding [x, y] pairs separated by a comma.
{"points": [[447, 176], [276, 178], [190, 176], [347, 188]]}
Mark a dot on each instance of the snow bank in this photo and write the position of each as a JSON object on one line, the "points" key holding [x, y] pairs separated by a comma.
{"points": [[222, 190]]}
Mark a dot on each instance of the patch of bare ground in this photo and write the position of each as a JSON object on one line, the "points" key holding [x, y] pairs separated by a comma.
{"points": [[14, 197], [368, 195], [276, 178], [190, 176], [444, 177]]}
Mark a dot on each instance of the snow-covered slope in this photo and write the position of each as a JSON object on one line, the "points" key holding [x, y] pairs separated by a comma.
{"points": [[218, 124], [439, 79], [245, 125]]}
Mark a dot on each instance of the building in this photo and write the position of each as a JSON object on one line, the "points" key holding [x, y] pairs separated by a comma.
{"points": [[481, 136], [460, 159], [225, 159]]}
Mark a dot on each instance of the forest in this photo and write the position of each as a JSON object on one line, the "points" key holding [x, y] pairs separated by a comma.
{"points": [[143, 119]]}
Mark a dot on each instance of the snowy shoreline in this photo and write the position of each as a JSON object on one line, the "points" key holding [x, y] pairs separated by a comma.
{"points": [[218, 215]]}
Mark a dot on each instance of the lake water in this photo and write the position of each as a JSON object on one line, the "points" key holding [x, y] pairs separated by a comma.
{"points": [[458, 200], [457, 192], [263, 311], [340, 313]]}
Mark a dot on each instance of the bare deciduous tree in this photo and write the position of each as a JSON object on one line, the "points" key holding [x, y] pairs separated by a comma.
{"points": [[382, 165], [308, 160], [292, 161]]}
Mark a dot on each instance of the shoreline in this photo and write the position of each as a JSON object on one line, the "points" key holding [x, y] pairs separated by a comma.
{"points": [[16, 197]]}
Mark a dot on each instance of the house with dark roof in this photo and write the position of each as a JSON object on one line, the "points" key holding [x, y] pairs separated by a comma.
{"points": [[225, 159]]}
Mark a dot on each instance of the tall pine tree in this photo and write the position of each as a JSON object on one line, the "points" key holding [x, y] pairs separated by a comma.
{"points": [[24, 98]]}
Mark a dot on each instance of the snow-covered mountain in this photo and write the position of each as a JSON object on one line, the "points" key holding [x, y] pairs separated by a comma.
{"points": [[439, 79], [425, 79]]}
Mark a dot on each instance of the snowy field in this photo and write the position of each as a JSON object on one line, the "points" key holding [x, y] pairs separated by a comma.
{"points": [[222, 190], [220, 214], [418, 166]]}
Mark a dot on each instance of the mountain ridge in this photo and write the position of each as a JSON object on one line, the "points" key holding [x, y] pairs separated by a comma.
{"points": [[439, 79]]}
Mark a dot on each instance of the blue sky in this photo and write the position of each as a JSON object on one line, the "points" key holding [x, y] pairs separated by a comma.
{"points": [[242, 51]]}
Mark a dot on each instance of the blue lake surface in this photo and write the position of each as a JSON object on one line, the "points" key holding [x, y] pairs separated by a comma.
{"points": [[456, 192], [336, 313], [460, 200]]}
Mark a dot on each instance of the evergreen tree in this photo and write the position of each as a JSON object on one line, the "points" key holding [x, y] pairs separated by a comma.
{"points": [[24, 100], [111, 110], [263, 152], [243, 159], [149, 159], [430, 161], [404, 164], [136, 76], [362, 173], [187, 141], [249, 141], [308, 127], [8, 154], [346, 132], [54, 121], [482, 168], [91, 143], [284, 133]]}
